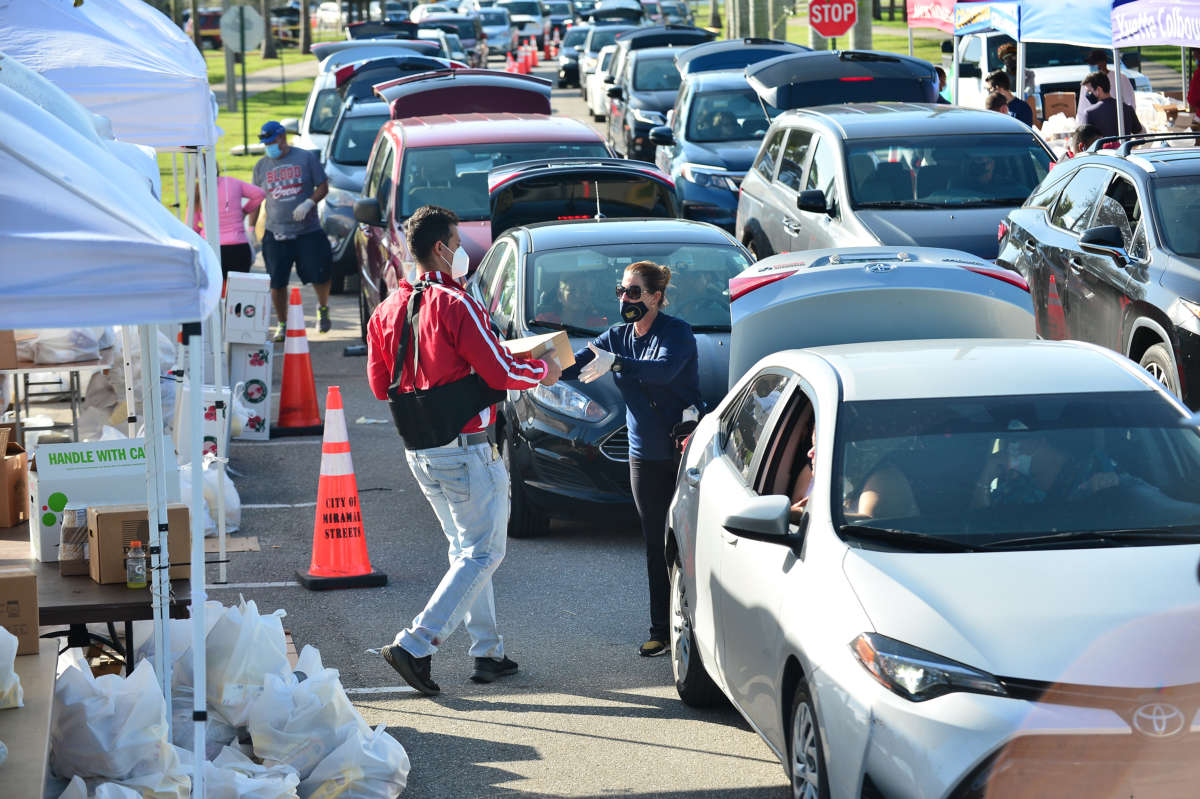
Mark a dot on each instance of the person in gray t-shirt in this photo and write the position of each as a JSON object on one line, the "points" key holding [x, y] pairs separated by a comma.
{"points": [[294, 182]]}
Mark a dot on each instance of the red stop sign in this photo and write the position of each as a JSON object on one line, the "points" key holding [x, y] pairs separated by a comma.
{"points": [[832, 17]]}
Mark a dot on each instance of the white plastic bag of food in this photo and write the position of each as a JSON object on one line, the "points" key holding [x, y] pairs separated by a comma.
{"points": [[243, 648], [10, 682], [232, 775], [214, 478], [185, 489], [110, 727], [67, 345], [372, 766], [301, 717]]}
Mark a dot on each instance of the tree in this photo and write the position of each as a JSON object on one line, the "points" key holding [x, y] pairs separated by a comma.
{"points": [[268, 42], [196, 25], [305, 27], [714, 15]]}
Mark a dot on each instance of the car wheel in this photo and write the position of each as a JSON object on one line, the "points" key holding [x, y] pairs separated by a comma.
{"points": [[1157, 361], [695, 687], [524, 520], [363, 316], [806, 763]]}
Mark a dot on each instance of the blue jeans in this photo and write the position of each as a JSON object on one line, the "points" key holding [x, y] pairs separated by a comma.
{"points": [[468, 489]]}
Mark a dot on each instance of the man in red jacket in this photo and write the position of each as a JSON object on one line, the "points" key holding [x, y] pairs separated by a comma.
{"points": [[464, 480]]}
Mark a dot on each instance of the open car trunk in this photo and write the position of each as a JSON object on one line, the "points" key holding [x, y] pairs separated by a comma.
{"points": [[732, 54], [359, 49], [359, 80], [553, 190], [804, 80], [467, 91], [820, 298], [378, 29]]}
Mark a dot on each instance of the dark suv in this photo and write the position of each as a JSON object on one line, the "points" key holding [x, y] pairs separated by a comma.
{"points": [[1110, 245]]}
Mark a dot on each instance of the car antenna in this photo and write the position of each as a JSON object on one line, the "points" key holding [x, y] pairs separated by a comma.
{"points": [[596, 184]]}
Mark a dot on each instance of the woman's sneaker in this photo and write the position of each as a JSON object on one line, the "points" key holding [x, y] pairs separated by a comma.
{"points": [[280, 333], [653, 648], [324, 324]]}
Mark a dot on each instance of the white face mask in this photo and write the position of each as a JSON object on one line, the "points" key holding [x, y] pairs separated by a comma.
{"points": [[459, 264]]}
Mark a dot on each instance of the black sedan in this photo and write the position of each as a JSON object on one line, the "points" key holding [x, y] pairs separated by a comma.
{"points": [[1110, 245], [566, 445]]}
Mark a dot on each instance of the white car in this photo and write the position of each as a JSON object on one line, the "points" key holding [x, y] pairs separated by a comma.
{"points": [[530, 19], [423, 10], [990, 587], [595, 89]]}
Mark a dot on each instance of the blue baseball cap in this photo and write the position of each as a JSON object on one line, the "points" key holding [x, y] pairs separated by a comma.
{"points": [[270, 130]]}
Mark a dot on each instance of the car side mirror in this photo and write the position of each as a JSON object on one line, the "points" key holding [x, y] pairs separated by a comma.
{"points": [[948, 46], [290, 125], [969, 70], [813, 201], [615, 92], [1105, 240], [367, 212], [662, 135], [763, 519], [610, 78]]}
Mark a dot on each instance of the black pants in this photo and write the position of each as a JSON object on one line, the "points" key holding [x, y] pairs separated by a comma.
{"points": [[235, 258], [653, 484]]}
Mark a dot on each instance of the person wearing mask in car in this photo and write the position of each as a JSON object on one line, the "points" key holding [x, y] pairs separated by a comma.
{"points": [[294, 182], [443, 348], [1098, 61], [236, 200], [1101, 109], [997, 83], [653, 360]]}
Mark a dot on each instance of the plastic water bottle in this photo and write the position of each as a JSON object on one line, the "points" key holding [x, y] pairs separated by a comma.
{"points": [[135, 566]]}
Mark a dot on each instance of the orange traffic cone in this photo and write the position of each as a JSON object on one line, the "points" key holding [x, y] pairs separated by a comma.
{"points": [[546, 46], [1056, 320], [523, 61], [339, 552], [509, 64], [298, 412], [533, 56]]}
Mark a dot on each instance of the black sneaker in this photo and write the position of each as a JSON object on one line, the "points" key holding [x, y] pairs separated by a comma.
{"points": [[488, 669], [323, 323], [414, 670], [653, 648]]}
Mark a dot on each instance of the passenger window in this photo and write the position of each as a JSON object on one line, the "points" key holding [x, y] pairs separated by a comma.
{"points": [[504, 293], [481, 283], [789, 458], [376, 167], [1079, 199], [791, 167], [1045, 195], [745, 427], [385, 184], [1120, 207], [822, 172], [765, 165]]}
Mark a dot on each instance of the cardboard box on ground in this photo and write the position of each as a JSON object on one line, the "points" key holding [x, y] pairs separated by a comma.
{"points": [[19, 607], [111, 529], [14, 478], [8, 349], [536, 346]]}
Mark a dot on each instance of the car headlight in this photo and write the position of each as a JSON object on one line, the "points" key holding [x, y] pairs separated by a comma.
{"points": [[648, 117], [340, 198], [917, 675], [1191, 307], [569, 402], [709, 176]]}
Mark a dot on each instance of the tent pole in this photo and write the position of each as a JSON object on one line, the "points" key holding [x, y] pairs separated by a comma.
{"points": [[156, 495], [1117, 91], [1183, 72], [954, 98], [194, 346], [1019, 80], [175, 178], [130, 398], [208, 158]]}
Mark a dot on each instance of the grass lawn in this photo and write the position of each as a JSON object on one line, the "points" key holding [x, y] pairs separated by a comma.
{"points": [[254, 60], [261, 107]]}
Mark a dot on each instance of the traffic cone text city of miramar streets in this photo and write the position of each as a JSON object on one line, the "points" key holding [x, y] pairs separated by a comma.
{"points": [[298, 411], [339, 551]]}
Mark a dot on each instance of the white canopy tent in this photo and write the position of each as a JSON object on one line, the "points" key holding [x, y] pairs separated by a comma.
{"points": [[126, 61]]}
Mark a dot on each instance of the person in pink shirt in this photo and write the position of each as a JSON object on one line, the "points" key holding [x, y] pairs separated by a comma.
{"points": [[236, 199]]}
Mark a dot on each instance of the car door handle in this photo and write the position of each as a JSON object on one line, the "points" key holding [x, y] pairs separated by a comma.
{"points": [[1075, 263], [729, 537], [692, 476], [790, 226]]}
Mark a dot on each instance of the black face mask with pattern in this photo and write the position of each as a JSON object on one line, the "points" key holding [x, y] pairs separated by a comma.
{"points": [[633, 311]]}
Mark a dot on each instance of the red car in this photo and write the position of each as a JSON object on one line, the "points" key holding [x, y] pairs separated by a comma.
{"points": [[476, 120]]}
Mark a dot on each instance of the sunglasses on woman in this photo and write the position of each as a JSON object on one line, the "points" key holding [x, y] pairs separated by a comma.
{"points": [[632, 292]]}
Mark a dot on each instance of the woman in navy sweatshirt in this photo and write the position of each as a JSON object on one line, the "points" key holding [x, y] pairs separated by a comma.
{"points": [[653, 360]]}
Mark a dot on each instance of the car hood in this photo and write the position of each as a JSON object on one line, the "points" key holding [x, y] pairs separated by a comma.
{"points": [[661, 101], [736, 156], [1126, 617], [972, 230], [346, 177]]}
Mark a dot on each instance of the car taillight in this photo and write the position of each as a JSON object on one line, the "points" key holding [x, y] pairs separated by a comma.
{"points": [[856, 78], [1012, 278], [1001, 232], [580, 216], [741, 286]]}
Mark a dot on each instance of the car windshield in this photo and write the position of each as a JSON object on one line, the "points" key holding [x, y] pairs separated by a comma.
{"points": [[457, 176], [575, 37], [1038, 54], [945, 171], [655, 75], [325, 111], [603, 35], [354, 139], [558, 8], [726, 116], [1177, 207], [527, 7], [493, 16], [1019, 471], [574, 287], [678, 9], [464, 27]]}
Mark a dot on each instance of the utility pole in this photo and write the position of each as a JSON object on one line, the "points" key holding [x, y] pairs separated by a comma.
{"points": [[305, 27], [860, 34], [176, 14], [760, 17], [714, 15], [195, 7], [777, 11], [231, 101], [268, 42]]}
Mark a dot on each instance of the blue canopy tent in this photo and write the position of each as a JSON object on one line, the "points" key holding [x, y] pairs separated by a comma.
{"points": [[1086, 23]]}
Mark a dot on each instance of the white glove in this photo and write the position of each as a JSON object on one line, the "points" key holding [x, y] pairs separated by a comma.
{"points": [[301, 210], [599, 366]]}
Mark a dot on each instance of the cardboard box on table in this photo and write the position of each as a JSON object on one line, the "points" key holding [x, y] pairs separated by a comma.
{"points": [[536, 346], [88, 474], [14, 478], [111, 529], [19, 607], [1059, 103], [248, 310], [251, 377]]}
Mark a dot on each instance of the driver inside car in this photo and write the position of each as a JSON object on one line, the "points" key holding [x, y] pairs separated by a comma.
{"points": [[1030, 468], [576, 296]]}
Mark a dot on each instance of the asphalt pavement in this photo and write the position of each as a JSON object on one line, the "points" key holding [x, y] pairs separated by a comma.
{"points": [[584, 717]]}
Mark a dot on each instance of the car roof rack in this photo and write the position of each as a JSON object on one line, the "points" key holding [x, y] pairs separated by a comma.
{"points": [[1131, 140]]}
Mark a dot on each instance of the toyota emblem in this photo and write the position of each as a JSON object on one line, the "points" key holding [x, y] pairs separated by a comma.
{"points": [[877, 267], [1158, 720]]}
